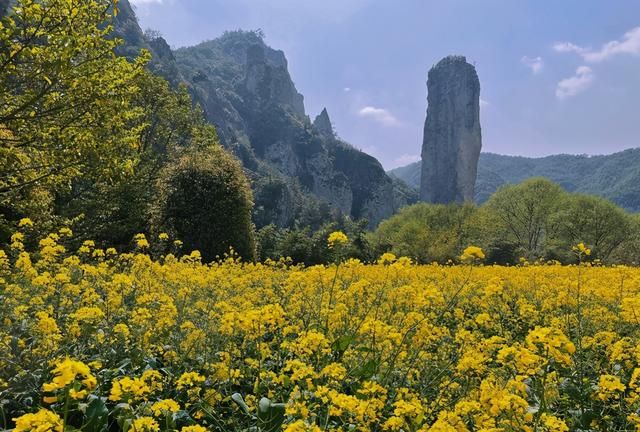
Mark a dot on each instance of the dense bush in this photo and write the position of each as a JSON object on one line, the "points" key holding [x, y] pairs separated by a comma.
{"points": [[425, 232], [205, 200], [307, 246]]}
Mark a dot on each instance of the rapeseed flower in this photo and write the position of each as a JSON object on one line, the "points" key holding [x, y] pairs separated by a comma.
{"points": [[384, 346], [41, 421], [337, 238]]}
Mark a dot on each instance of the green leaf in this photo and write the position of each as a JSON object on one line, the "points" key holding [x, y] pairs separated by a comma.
{"points": [[367, 370], [96, 416], [342, 343], [270, 415]]}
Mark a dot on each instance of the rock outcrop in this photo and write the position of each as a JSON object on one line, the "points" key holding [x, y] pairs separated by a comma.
{"points": [[246, 91], [323, 125], [452, 135]]}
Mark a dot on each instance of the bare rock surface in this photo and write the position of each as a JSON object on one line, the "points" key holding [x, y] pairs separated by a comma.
{"points": [[452, 134]]}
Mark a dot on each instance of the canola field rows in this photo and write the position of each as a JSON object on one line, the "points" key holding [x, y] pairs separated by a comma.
{"points": [[95, 340]]}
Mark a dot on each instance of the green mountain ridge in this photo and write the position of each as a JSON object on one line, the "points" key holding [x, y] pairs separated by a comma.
{"points": [[615, 176]]}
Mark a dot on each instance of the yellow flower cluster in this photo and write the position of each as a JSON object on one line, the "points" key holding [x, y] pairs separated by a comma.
{"points": [[471, 254], [67, 373], [337, 238], [122, 341], [581, 249], [42, 421]]}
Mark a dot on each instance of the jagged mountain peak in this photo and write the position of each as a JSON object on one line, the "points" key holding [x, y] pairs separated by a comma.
{"points": [[323, 125]]}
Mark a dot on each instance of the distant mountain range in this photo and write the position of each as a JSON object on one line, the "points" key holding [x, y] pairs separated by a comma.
{"points": [[615, 176]]}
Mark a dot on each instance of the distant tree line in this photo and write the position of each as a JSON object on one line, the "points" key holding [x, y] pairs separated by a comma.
{"points": [[534, 220]]}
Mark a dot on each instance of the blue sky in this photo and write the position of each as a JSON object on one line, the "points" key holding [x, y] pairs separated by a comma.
{"points": [[556, 76]]}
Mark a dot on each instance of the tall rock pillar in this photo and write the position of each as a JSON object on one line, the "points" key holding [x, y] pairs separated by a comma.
{"points": [[452, 135]]}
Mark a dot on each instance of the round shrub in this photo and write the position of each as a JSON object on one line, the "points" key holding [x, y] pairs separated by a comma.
{"points": [[205, 201]]}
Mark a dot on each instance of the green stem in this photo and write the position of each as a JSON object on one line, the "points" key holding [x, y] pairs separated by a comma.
{"points": [[4, 418], [333, 283], [66, 408]]}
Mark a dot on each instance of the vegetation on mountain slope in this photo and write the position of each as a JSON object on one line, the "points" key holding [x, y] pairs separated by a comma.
{"points": [[246, 91], [615, 176]]}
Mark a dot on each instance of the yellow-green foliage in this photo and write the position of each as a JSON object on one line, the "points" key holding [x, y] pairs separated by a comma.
{"points": [[425, 232], [66, 98], [99, 339], [67, 106]]}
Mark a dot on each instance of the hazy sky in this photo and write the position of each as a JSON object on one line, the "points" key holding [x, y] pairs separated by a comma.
{"points": [[556, 76]]}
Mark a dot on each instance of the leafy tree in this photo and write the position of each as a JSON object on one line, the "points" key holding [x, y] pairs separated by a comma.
{"points": [[66, 107], [629, 251], [523, 212], [205, 200], [594, 221], [114, 212], [268, 242], [424, 232], [296, 244], [303, 245], [486, 232]]}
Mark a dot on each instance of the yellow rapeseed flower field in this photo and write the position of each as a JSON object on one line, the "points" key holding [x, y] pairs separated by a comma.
{"points": [[96, 340]]}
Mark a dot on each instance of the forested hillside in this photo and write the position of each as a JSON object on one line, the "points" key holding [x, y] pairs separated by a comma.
{"points": [[615, 176]]}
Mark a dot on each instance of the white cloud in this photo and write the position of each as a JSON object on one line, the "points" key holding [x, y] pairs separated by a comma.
{"points": [[630, 44], [347, 89], [533, 63], [578, 83], [405, 159], [483, 103], [380, 115], [565, 47]]}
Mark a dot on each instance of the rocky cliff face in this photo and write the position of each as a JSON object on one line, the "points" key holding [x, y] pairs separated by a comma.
{"points": [[246, 91], [301, 172], [452, 135], [323, 125]]}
